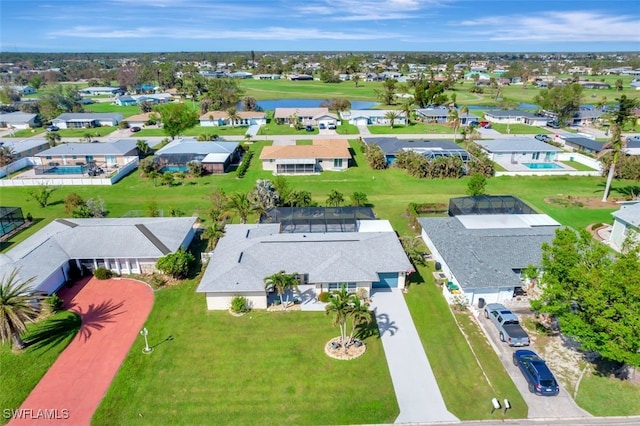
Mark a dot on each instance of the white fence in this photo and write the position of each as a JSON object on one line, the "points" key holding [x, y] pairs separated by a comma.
{"points": [[119, 174], [582, 159], [17, 165], [550, 173]]}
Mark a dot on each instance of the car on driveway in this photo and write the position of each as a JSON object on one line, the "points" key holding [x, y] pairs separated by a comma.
{"points": [[540, 379], [543, 138], [52, 128], [553, 124], [633, 138], [134, 129]]}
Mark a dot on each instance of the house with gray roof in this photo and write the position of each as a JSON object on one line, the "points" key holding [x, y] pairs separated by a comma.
{"points": [[99, 90], [215, 156], [370, 257], [626, 221], [18, 120], [585, 117], [103, 154], [83, 120], [514, 116], [123, 245], [26, 147], [372, 117], [519, 150], [587, 145], [433, 115], [482, 255], [392, 146]]}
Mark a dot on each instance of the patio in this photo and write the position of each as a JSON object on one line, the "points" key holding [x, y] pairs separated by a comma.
{"points": [[305, 293]]}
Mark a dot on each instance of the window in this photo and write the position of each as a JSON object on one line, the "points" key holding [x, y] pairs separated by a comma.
{"points": [[48, 157], [337, 163], [535, 156], [338, 286]]}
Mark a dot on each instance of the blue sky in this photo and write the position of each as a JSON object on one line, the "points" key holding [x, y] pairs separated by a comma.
{"points": [[319, 25]]}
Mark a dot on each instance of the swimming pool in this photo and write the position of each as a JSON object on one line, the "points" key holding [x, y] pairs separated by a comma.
{"points": [[66, 170], [542, 166], [174, 169]]}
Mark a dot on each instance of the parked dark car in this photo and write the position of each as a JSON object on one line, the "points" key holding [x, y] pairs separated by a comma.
{"points": [[543, 138], [309, 128], [134, 129], [535, 370], [553, 124], [52, 128], [322, 126]]}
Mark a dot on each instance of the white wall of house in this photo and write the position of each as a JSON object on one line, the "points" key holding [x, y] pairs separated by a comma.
{"points": [[620, 232], [331, 164], [222, 301], [269, 165]]}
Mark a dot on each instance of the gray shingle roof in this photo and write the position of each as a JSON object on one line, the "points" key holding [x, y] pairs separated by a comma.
{"points": [[391, 146], [629, 214], [192, 146], [485, 258], [517, 145], [119, 147], [586, 143], [62, 240], [249, 253], [69, 116], [505, 113], [17, 117]]}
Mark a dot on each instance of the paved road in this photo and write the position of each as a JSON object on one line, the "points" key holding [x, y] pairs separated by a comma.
{"points": [[416, 389], [113, 313], [561, 406]]}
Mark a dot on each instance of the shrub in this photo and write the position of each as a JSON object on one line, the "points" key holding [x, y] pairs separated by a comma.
{"points": [[158, 281], [54, 303], [246, 161], [102, 273], [362, 293], [176, 264], [239, 304], [324, 297]]}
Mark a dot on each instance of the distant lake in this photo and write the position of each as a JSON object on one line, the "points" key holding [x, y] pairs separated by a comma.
{"points": [[307, 103]]}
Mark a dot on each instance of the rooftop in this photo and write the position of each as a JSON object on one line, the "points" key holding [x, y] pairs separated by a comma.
{"points": [[516, 145], [321, 148], [121, 147]]}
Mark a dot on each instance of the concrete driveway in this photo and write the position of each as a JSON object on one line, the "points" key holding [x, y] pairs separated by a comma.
{"points": [[561, 406], [416, 389]]}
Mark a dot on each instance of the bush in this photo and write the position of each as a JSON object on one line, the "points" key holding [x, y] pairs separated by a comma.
{"points": [[102, 273], [176, 264], [324, 297], [246, 161], [158, 281], [362, 293], [54, 303], [239, 304]]}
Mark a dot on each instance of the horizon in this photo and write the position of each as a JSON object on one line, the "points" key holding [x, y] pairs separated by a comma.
{"points": [[437, 26]]}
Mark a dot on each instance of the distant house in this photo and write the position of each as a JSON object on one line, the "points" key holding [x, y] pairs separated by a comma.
{"points": [[83, 120], [221, 118], [304, 116], [102, 154], [215, 156], [633, 147], [516, 117], [123, 245], [323, 154], [326, 247], [372, 117], [240, 74], [583, 144], [23, 90], [140, 120], [26, 148], [594, 85], [433, 115], [519, 150], [625, 221], [18, 120], [154, 98], [391, 147], [95, 91], [125, 100], [585, 117], [300, 77], [267, 77]]}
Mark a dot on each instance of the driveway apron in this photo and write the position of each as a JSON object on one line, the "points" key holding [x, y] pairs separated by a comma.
{"points": [[416, 389]]}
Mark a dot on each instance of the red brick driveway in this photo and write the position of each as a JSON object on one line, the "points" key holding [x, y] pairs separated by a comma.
{"points": [[113, 313]]}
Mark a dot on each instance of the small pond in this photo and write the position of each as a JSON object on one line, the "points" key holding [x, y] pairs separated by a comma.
{"points": [[271, 104]]}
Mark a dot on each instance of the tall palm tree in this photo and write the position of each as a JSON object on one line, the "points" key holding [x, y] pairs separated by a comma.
{"points": [[233, 116], [53, 138], [407, 108], [614, 147], [340, 305], [454, 119], [281, 282], [16, 307], [240, 203], [143, 148], [392, 116], [212, 234]]}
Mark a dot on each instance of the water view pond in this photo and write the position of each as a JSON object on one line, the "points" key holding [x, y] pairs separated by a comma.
{"points": [[271, 104]]}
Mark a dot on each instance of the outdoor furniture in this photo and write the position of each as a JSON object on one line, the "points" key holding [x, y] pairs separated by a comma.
{"points": [[335, 345]]}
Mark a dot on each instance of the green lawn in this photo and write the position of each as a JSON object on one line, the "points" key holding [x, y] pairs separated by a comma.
{"points": [[518, 129], [287, 89], [602, 396], [262, 368], [126, 111], [413, 128], [347, 129], [20, 372], [80, 133], [577, 166], [25, 133], [464, 388], [221, 131], [272, 128]]}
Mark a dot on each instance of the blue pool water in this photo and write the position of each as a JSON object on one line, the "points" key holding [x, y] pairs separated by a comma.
{"points": [[173, 169], [305, 103], [542, 166], [66, 170]]}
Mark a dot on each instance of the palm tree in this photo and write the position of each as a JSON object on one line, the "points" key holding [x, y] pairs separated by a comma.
{"points": [[454, 119], [340, 304], [335, 198], [16, 307], [233, 116], [281, 282], [143, 148], [407, 108], [6, 155], [53, 138], [359, 199], [212, 234], [614, 147], [300, 198], [392, 116], [359, 314], [239, 202]]}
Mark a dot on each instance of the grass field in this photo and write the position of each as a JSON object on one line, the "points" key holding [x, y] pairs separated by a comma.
{"points": [[577, 166], [80, 133], [25, 133], [126, 111], [603, 396], [221, 131], [518, 129], [467, 399], [413, 128], [262, 368], [20, 372]]}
